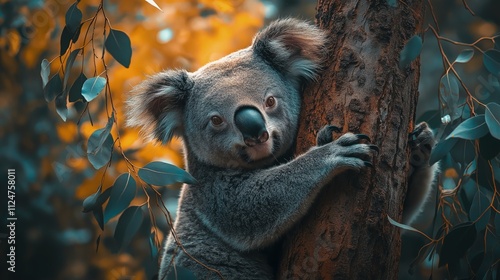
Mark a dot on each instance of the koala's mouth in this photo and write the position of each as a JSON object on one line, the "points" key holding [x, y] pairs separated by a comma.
{"points": [[261, 152]]}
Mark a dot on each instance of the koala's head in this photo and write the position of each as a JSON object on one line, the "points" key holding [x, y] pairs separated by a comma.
{"points": [[240, 111]]}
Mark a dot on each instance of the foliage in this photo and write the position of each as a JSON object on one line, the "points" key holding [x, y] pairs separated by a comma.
{"points": [[465, 240]]}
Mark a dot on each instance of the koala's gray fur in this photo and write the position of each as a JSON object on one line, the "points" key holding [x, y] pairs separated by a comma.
{"points": [[247, 196]]}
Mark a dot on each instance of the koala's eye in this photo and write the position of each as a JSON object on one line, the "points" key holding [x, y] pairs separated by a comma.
{"points": [[270, 102], [216, 120]]}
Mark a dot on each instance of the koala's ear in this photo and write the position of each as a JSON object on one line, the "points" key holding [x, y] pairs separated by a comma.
{"points": [[157, 105], [293, 47]]}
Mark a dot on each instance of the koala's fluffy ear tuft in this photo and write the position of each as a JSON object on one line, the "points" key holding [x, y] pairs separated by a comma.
{"points": [[293, 47], [157, 104]]}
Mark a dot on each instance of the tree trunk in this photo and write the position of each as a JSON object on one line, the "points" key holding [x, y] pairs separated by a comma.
{"points": [[347, 235]]}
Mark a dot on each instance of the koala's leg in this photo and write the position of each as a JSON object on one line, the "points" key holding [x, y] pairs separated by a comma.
{"points": [[421, 176], [255, 209]]}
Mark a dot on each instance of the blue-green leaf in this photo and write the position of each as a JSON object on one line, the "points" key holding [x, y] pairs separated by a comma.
{"points": [[53, 88], [98, 150], [470, 129], [121, 195], [92, 87], [491, 60], [45, 71], [410, 51], [465, 56], [118, 45], [99, 217], [69, 63], [152, 245], [478, 210], [128, 225], [442, 149], [456, 243], [73, 18], [61, 105], [89, 203], [163, 174], [75, 92], [492, 115]]}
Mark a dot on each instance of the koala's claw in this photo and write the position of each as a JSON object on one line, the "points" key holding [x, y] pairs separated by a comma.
{"points": [[363, 137], [374, 148], [325, 134], [368, 164]]}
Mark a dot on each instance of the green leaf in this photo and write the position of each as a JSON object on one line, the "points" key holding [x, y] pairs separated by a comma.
{"points": [[128, 225], [73, 18], [153, 3], [465, 56], [163, 174], [442, 149], [92, 87], [99, 148], [491, 60], [53, 88], [403, 226], [457, 242], [89, 203], [45, 71], [470, 129], [122, 194], [75, 92], [492, 115], [118, 45], [410, 51]]}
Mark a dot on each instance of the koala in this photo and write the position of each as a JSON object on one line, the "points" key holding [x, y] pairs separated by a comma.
{"points": [[421, 176], [238, 118]]}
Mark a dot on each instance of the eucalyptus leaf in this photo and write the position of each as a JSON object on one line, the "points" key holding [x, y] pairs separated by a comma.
{"points": [[92, 87], [73, 18], [457, 242], [163, 174], [465, 56], [492, 116], [69, 63], [470, 129], [90, 201], [62, 105], [75, 92], [123, 192], [45, 71], [410, 51], [53, 88], [97, 153], [491, 60], [442, 149], [118, 45], [128, 225]]}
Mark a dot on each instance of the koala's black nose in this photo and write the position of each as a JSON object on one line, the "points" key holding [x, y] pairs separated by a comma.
{"points": [[252, 125]]}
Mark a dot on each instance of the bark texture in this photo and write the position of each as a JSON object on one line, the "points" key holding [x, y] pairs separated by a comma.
{"points": [[347, 234]]}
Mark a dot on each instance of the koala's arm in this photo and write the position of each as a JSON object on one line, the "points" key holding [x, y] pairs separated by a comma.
{"points": [[258, 209], [422, 175]]}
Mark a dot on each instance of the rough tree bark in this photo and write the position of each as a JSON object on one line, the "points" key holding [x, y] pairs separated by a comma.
{"points": [[347, 234]]}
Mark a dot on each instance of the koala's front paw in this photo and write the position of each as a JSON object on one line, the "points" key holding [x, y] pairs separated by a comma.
{"points": [[325, 134], [351, 152], [421, 141]]}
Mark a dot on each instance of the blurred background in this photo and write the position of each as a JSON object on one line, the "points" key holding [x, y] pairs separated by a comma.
{"points": [[54, 238]]}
